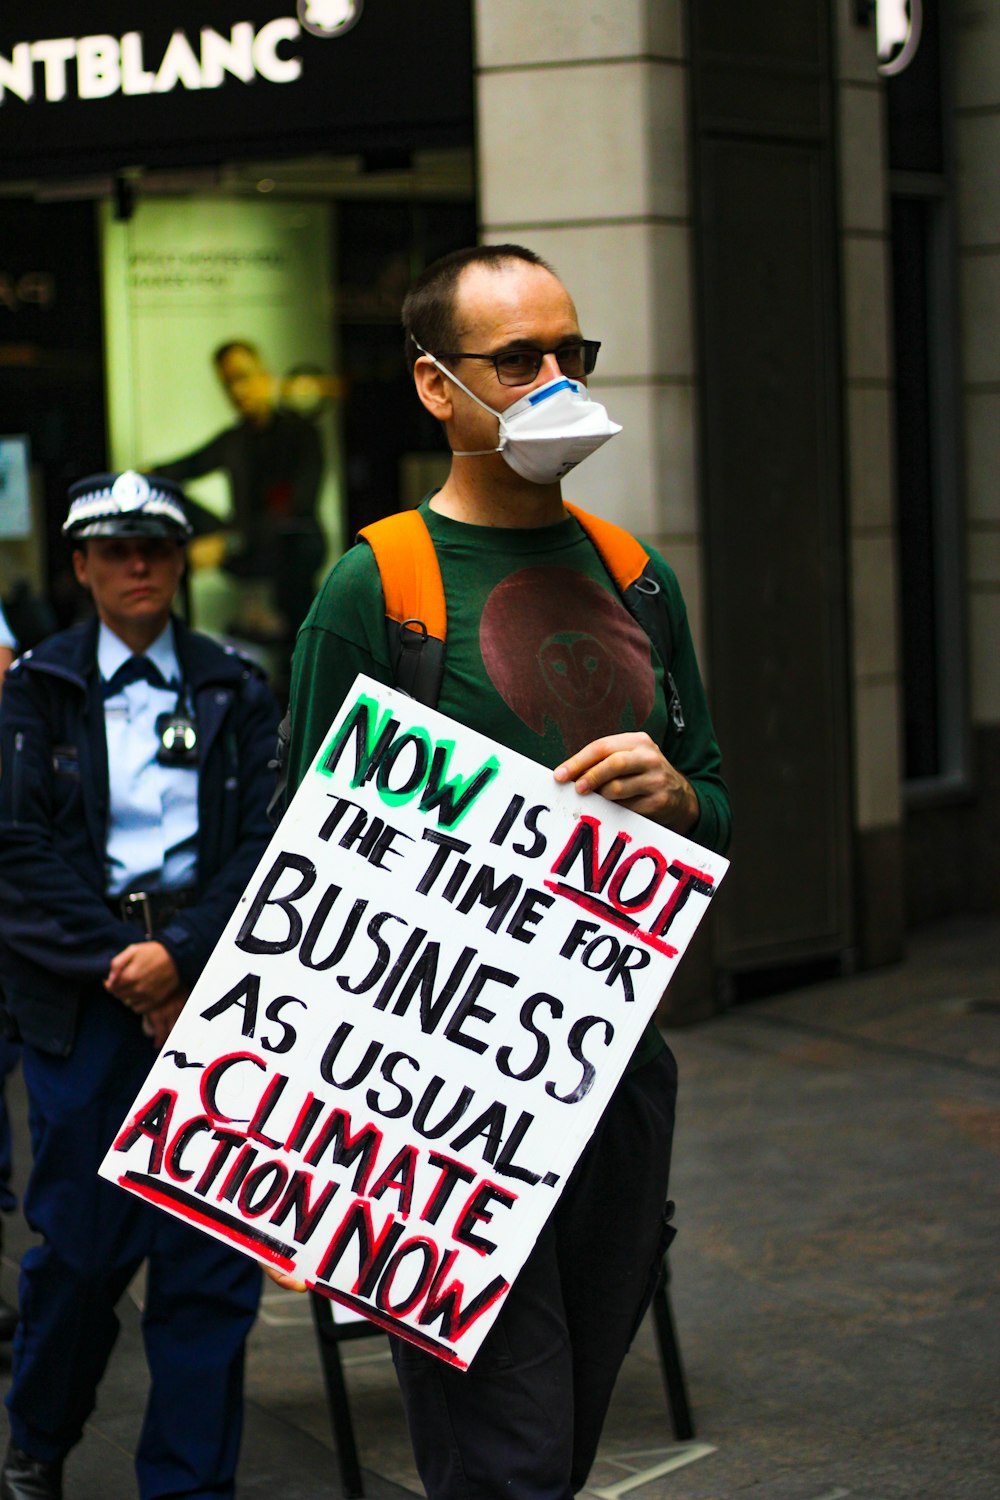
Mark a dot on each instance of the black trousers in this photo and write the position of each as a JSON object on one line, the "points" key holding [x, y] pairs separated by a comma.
{"points": [[524, 1422]]}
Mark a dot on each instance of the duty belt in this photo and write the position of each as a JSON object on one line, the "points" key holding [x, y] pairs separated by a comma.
{"points": [[151, 909]]}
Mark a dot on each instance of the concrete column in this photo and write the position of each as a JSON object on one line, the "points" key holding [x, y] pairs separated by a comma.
{"points": [[872, 556], [976, 121], [582, 118]]}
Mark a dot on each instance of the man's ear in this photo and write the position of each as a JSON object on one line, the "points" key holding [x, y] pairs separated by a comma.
{"points": [[80, 566], [433, 388]]}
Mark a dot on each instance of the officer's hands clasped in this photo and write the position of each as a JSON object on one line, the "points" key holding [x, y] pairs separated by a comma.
{"points": [[144, 978]]}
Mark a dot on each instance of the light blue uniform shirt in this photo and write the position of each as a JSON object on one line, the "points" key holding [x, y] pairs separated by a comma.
{"points": [[153, 820], [6, 638]]}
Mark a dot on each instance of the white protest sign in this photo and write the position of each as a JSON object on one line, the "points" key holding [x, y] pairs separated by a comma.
{"points": [[414, 1020]]}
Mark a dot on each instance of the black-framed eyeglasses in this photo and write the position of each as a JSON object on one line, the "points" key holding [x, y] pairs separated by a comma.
{"points": [[576, 358]]}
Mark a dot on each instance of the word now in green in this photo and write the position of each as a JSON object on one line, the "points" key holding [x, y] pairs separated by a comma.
{"points": [[404, 763]]}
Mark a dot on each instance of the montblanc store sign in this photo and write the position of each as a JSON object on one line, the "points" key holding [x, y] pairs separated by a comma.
{"points": [[206, 75], [102, 65]]}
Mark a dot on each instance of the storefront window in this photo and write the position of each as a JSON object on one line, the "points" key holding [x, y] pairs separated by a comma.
{"points": [[244, 338], [395, 451], [177, 196]]}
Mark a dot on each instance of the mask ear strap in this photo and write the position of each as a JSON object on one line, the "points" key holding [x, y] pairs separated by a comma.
{"points": [[475, 452]]}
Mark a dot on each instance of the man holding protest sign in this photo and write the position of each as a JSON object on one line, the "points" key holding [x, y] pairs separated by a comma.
{"points": [[132, 813], [542, 656]]}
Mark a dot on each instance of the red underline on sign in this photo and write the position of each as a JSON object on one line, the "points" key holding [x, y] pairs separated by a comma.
{"points": [[599, 908], [391, 1325], [165, 1195]]}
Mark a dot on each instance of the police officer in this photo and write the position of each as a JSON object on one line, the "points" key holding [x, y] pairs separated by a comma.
{"points": [[132, 814]]}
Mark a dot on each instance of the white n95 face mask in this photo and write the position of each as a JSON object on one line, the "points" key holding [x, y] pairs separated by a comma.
{"points": [[548, 432]]}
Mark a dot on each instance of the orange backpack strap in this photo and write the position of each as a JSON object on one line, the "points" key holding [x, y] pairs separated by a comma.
{"points": [[416, 618], [630, 566], [624, 557], [411, 576]]}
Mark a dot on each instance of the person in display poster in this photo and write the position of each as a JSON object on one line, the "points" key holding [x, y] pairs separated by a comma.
{"points": [[273, 457]]}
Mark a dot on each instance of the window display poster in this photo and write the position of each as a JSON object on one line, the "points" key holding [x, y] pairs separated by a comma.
{"points": [[186, 276]]}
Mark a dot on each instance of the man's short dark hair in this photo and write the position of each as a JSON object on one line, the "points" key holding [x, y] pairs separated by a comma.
{"points": [[231, 347], [429, 305]]}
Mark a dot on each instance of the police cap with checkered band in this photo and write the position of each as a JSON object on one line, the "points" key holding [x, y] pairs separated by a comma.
{"points": [[126, 504]]}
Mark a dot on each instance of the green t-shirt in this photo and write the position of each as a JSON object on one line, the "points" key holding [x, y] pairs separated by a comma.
{"points": [[541, 656]]}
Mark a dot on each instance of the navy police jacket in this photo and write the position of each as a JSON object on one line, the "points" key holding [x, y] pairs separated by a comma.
{"points": [[57, 934]]}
